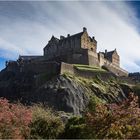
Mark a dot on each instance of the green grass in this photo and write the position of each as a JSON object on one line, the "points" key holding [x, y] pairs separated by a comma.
{"points": [[89, 68]]}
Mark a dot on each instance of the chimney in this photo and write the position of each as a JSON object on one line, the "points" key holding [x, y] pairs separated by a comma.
{"points": [[105, 51], [84, 29], [68, 35], [61, 37]]}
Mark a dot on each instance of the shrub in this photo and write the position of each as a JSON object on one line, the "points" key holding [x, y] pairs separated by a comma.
{"points": [[100, 121], [45, 125], [106, 121], [115, 121], [75, 129], [14, 120], [136, 89], [93, 102], [20, 122]]}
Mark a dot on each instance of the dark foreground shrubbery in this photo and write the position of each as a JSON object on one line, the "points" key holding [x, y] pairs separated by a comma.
{"points": [[100, 121], [21, 122], [45, 125], [14, 120], [105, 121]]}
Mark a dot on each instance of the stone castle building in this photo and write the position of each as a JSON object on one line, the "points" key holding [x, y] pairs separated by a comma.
{"points": [[79, 48]]}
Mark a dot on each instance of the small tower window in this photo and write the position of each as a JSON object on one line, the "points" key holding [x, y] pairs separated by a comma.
{"points": [[91, 49]]}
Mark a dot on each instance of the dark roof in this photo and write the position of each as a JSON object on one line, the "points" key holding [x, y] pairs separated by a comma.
{"points": [[109, 54], [55, 38], [78, 35], [60, 41]]}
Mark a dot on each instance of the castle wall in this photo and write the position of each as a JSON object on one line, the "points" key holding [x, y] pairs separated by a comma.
{"points": [[113, 67], [41, 67], [87, 43], [51, 49], [93, 58], [78, 58], [12, 66], [65, 46], [101, 59], [91, 75], [85, 57], [117, 70], [65, 67], [116, 59]]}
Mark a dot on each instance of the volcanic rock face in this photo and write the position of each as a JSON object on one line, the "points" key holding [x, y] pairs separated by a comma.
{"points": [[64, 92]]}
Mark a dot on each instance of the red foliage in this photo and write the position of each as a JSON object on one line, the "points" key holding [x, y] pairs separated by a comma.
{"points": [[115, 121], [14, 120]]}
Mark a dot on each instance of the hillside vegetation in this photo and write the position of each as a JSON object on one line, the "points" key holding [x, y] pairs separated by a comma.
{"points": [[67, 106], [68, 93], [99, 121]]}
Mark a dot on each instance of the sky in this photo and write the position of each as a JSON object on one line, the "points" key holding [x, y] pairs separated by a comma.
{"points": [[26, 27]]}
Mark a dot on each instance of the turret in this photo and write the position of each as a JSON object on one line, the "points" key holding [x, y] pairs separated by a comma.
{"points": [[84, 29]]}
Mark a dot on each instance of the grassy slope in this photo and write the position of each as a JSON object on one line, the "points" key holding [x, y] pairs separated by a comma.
{"points": [[107, 91], [89, 68]]}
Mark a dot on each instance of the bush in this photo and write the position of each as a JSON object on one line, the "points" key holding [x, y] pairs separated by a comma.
{"points": [[14, 120], [100, 121], [106, 121], [20, 122], [136, 89], [115, 121], [75, 129], [45, 125]]}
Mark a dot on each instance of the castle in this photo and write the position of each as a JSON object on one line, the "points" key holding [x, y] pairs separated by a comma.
{"points": [[79, 48]]}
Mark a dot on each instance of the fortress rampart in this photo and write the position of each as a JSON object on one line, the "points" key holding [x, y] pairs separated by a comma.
{"points": [[86, 74]]}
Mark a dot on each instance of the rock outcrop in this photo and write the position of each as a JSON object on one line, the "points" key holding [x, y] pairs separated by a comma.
{"points": [[64, 92]]}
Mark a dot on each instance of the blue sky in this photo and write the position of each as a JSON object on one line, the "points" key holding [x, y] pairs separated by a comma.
{"points": [[26, 27]]}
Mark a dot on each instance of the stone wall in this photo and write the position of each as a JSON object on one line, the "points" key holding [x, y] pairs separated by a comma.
{"points": [[118, 71], [65, 67], [93, 58], [116, 59], [111, 67], [12, 66], [101, 59], [88, 43], [63, 46], [78, 58], [90, 74], [41, 67]]}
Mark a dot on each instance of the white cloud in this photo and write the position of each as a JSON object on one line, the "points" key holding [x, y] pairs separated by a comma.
{"points": [[9, 50], [112, 23]]}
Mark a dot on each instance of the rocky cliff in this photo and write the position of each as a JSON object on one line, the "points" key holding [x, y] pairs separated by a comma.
{"points": [[64, 92]]}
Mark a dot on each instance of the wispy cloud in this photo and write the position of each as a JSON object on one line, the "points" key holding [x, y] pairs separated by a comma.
{"points": [[26, 27]]}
